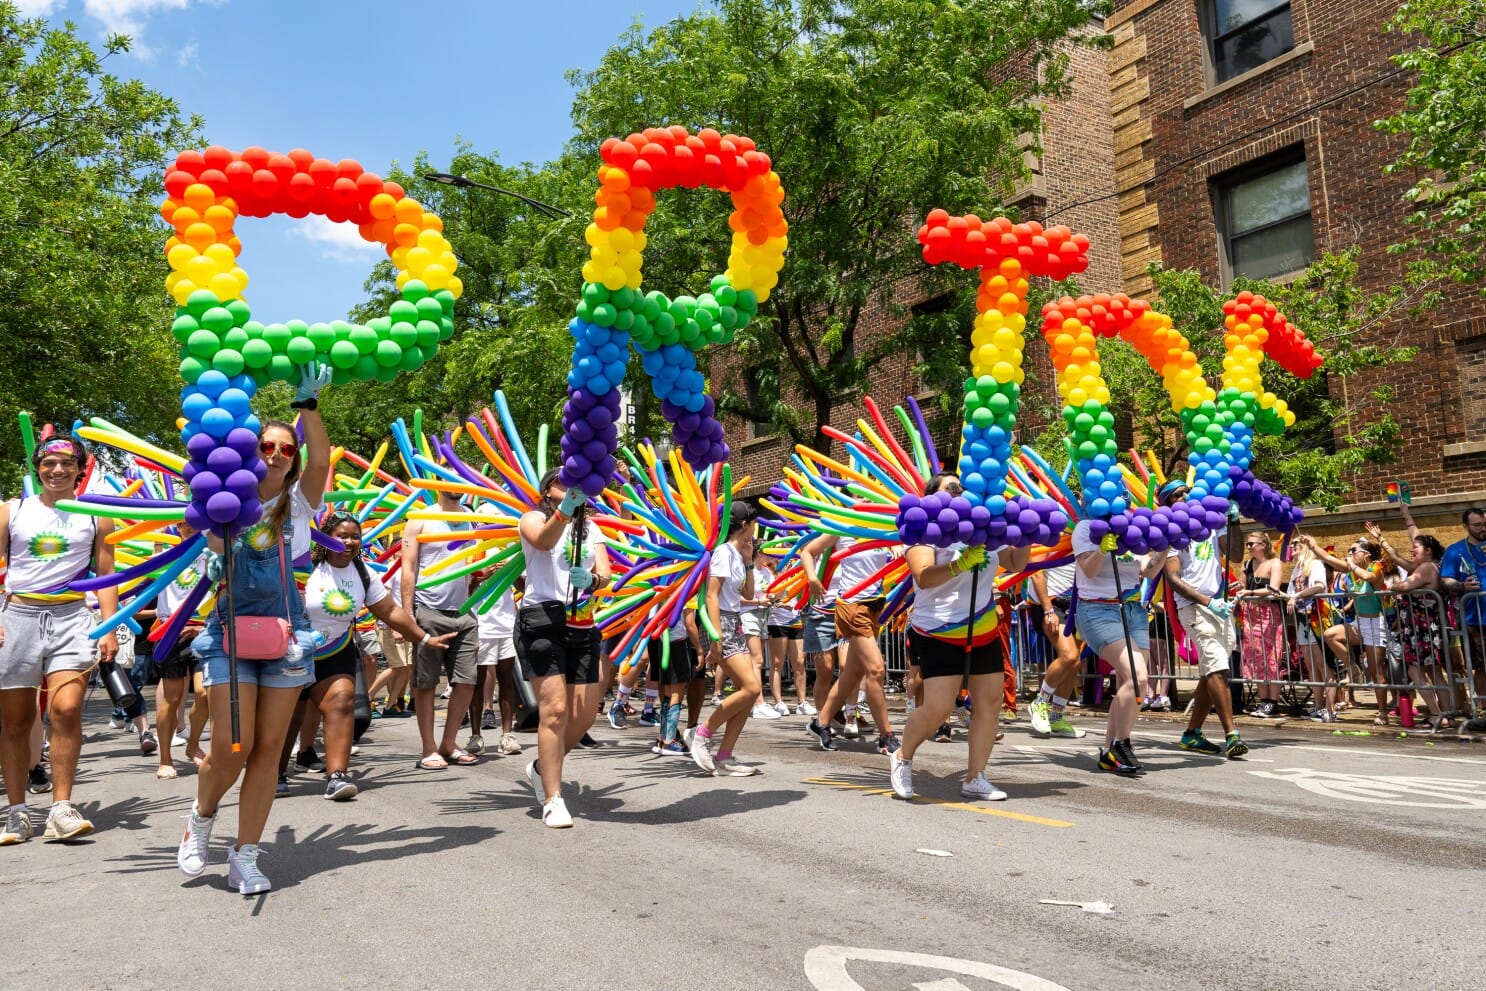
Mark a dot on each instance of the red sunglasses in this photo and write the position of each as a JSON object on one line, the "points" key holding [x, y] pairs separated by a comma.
{"points": [[283, 448]]}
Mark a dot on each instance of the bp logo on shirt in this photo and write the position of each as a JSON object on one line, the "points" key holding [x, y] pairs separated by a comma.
{"points": [[337, 603], [1202, 550], [49, 545]]}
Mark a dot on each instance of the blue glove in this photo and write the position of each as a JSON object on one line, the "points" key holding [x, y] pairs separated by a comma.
{"points": [[580, 578], [214, 562], [313, 377], [570, 502], [1220, 607]]}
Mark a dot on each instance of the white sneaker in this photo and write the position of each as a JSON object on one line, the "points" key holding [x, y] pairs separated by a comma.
{"points": [[65, 822], [730, 768], [195, 849], [806, 709], [980, 788], [716, 700], [763, 711], [1041, 713], [17, 826], [243, 873], [555, 814], [448, 690], [852, 729], [114, 722], [508, 746], [701, 750], [179, 739], [782, 708], [535, 780], [900, 773]]}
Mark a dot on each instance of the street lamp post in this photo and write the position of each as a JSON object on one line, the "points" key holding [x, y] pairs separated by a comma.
{"points": [[465, 182]]}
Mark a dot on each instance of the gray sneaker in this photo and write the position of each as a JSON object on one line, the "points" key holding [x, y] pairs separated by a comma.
{"points": [[243, 873], [730, 768], [340, 787], [701, 750], [508, 746], [476, 745], [65, 823], [195, 848], [17, 826]]}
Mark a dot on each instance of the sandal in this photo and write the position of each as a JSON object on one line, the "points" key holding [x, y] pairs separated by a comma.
{"points": [[165, 772], [1380, 721], [433, 762], [463, 758]]}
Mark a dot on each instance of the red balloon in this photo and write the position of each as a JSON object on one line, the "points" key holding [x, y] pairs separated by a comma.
{"points": [[190, 161], [322, 171], [301, 159], [217, 157], [176, 182], [214, 180]]}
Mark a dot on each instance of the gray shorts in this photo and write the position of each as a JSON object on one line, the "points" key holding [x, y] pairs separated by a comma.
{"points": [[458, 658], [42, 640]]}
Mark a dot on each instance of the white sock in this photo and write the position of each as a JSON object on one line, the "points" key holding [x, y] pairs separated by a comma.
{"points": [[652, 695], [909, 705], [624, 693], [861, 696]]}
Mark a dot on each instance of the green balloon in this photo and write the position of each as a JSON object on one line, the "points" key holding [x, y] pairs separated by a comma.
{"points": [[999, 403], [983, 418], [1088, 449], [446, 300], [412, 358], [585, 311], [200, 301], [281, 369], [403, 310], [665, 327], [605, 314], [364, 338], [203, 343], [593, 294], [405, 334], [625, 298], [277, 336], [625, 320], [641, 330], [429, 309], [191, 368], [343, 354], [228, 361], [655, 302], [239, 310], [725, 294], [388, 354], [183, 327], [257, 354], [218, 319], [366, 368], [321, 335], [301, 350], [703, 319], [235, 338], [414, 290], [386, 373], [253, 329], [428, 333], [446, 328]]}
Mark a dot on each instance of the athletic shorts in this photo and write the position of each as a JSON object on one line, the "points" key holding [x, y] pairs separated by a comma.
{"points": [[942, 659], [1211, 635], [1370, 629], [180, 662], [1099, 625], [680, 666], [41, 640], [496, 649], [820, 632], [755, 622], [734, 637], [546, 645], [399, 653], [456, 660], [370, 645], [857, 619], [342, 663], [795, 631]]}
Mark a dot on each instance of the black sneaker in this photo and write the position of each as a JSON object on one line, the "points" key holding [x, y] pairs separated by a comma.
{"points": [[823, 734], [888, 744], [281, 790], [38, 782], [587, 742], [309, 760], [944, 734], [1266, 710], [1126, 753], [1111, 762], [340, 787], [490, 720]]}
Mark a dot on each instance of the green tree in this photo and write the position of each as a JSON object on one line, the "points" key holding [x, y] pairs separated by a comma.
{"points": [[1444, 121], [874, 112], [83, 311], [1337, 429]]}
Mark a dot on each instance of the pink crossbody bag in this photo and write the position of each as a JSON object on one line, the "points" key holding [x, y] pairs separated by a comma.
{"points": [[264, 638]]}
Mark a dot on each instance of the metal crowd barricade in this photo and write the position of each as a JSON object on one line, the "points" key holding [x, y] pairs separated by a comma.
{"points": [[1468, 642]]}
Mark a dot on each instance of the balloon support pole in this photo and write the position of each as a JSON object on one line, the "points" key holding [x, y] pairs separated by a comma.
{"points": [[232, 693]]}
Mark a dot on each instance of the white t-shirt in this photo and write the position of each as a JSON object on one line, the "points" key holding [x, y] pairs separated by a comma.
{"points": [[172, 595], [677, 631], [449, 595], [947, 605], [1060, 579], [727, 564], [1102, 584], [48, 548], [854, 569], [763, 577], [547, 571], [334, 596], [1202, 567], [300, 514], [499, 621], [1299, 582]]}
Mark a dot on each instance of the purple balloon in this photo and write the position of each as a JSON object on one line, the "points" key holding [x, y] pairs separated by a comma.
{"points": [[242, 483], [205, 485], [223, 507]]}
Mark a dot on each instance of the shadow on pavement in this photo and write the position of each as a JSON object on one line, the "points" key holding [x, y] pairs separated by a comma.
{"points": [[605, 804]]}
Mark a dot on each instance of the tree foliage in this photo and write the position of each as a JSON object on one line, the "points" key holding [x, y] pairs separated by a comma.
{"points": [[1444, 120], [83, 317]]}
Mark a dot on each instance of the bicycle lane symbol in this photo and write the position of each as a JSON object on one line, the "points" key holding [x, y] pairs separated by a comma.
{"points": [[825, 968], [1401, 790]]}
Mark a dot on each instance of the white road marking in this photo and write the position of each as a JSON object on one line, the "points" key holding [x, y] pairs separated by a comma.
{"points": [[825, 968], [1408, 792], [1384, 753], [948, 984]]}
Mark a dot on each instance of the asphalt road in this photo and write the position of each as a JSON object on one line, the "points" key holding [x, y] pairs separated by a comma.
{"points": [[1316, 863]]}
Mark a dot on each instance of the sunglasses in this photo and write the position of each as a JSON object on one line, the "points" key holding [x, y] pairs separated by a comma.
{"points": [[283, 449]]}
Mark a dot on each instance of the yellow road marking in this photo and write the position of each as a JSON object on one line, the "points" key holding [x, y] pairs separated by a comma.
{"points": [[944, 803]]}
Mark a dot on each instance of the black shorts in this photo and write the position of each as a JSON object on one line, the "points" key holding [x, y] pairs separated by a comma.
{"points": [[938, 659], [547, 646], [180, 662], [343, 662], [680, 666], [795, 632]]}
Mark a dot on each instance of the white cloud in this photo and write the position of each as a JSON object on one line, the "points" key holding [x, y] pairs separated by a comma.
{"points": [[341, 242], [36, 8], [186, 57], [130, 16]]}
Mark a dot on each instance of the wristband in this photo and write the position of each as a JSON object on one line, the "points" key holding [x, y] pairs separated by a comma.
{"points": [[426, 637], [310, 403]]}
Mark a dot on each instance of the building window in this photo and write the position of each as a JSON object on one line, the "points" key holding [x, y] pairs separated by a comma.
{"points": [[1244, 34], [753, 385], [1264, 215]]}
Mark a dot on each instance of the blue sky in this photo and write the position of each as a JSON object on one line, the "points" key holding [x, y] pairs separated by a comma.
{"points": [[372, 80]]}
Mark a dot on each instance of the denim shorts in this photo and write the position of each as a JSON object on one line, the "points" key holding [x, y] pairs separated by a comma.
{"points": [[820, 632], [258, 590], [1099, 625], [278, 673]]}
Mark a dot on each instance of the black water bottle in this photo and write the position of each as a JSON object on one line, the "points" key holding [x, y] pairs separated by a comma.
{"points": [[116, 681]]}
